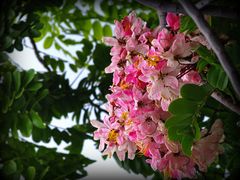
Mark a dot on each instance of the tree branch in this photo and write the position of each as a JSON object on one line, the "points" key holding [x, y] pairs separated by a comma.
{"points": [[202, 3], [211, 10], [226, 101], [162, 19], [214, 42], [38, 55], [46, 54]]}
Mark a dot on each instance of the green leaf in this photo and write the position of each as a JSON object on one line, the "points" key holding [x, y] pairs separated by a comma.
{"points": [[14, 126], [8, 78], [101, 56], [34, 33], [193, 92], [197, 130], [48, 42], [182, 106], [18, 44], [42, 94], [35, 86], [114, 12], [87, 46], [44, 172], [86, 25], [187, 142], [61, 65], [28, 77], [10, 167], [16, 80], [20, 93], [217, 77], [81, 56], [6, 42], [180, 120], [25, 125], [31, 173], [172, 134], [187, 24], [73, 67], [37, 120], [107, 31], [206, 55], [201, 64], [97, 30]]}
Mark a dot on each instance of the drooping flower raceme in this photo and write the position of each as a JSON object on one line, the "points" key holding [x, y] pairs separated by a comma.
{"points": [[149, 67]]}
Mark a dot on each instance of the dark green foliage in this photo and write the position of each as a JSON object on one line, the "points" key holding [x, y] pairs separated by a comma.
{"points": [[40, 161], [187, 24], [182, 125]]}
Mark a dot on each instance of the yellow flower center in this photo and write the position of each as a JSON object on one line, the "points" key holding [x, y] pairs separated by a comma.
{"points": [[124, 115], [124, 85], [153, 60], [143, 148], [112, 136], [125, 120]]}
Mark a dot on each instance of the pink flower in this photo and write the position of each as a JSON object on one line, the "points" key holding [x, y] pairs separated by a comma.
{"points": [[119, 30], [106, 132], [148, 127], [173, 21], [163, 41], [137, 24], [206, 150], [149, 69], [180, 47], [109, 41], [192, 77], [172, 146], [131, 44], [177, 166], [144, 38]]}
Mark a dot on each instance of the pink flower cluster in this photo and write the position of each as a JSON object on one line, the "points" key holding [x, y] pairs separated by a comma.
{"points": [[149, 67]]}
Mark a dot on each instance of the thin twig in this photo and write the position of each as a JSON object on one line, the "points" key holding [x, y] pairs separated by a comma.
{"points": [[76, 78], [162, 19], [214, 42], [218, 11], [226, 101], [44, 53], [38, 55], [202, 3], [149, 3]]}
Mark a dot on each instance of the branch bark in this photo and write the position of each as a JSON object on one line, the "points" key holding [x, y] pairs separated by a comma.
{"points": [[211, 10], [38, 55], [214, 42], [202, 3], [226, 101], [162, 19]]}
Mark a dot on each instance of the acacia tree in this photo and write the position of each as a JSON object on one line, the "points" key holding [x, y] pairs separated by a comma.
{"points": [[30, 100]]}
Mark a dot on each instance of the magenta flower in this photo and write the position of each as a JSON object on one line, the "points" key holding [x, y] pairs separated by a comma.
{"points": [[173, 21]]}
